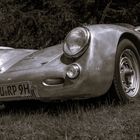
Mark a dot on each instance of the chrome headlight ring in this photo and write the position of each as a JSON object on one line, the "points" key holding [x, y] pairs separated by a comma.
{"points": [[73, 71], [76, 42]]}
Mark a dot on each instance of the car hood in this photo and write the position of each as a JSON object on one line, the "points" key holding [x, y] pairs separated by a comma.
{"points": [[37, 58], [9, 57]]}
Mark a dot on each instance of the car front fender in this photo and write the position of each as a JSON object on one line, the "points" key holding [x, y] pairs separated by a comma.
{"points": [[102, 51]]}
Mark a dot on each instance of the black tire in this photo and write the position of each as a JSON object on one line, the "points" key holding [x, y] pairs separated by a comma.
{"points": [[126, 83]]}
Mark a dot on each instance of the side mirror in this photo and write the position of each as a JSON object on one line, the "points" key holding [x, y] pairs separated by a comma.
{"points": [[137, 28]]}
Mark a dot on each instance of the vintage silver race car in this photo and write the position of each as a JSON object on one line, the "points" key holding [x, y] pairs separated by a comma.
{"points": [[88, 63]]}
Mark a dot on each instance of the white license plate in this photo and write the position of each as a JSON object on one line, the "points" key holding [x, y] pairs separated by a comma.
{"points": [[20, 89]]}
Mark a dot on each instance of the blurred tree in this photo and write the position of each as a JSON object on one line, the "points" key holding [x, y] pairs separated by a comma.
{"points": [[42, 23]]}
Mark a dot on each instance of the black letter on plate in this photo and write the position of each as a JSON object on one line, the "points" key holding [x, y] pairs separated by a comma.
{"points": [[14, 89], [1, 91], [26, 89], [9, 90]]}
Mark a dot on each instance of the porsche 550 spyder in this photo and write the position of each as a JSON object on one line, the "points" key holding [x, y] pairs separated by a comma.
{"points": [[88, 63]]}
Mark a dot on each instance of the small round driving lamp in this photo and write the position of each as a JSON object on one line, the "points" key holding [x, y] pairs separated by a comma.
{"points": [[73, 71], [76, 42]]}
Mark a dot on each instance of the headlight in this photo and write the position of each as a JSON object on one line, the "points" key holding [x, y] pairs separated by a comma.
{"points": [[76, 42], [73, 71]]}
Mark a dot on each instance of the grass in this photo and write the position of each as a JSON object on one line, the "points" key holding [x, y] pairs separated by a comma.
{"points": [[72, 120]]}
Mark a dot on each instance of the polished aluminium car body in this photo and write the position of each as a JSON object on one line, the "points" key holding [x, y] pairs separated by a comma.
{"points": [[42, 74]]}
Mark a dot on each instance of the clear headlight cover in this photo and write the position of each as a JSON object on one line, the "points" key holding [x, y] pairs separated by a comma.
{"points": [[73, 71], [76, 42]]}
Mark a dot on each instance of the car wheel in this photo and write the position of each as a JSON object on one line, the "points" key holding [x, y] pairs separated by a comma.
{"points": [[126, 82]]}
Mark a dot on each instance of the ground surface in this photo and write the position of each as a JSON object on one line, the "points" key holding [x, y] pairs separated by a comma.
{"points": [[71, 121]]}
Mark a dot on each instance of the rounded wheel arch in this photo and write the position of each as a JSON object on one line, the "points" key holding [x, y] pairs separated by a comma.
{"points": [[132, 38], [126, 43]]}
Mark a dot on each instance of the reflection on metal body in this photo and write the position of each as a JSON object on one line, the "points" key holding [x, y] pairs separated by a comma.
{"points": [[46, 70], [137, 28]]}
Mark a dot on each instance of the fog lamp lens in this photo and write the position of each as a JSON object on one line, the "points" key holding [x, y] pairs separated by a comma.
{"points": [[73, 71]]}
